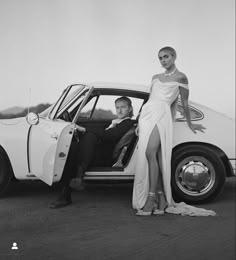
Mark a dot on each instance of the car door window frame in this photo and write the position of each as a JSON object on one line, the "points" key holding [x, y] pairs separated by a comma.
{"points": [[52, 114], [90, 89], [90, 99], [57, 110]]}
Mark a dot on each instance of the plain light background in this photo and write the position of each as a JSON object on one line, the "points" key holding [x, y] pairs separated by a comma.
{"points": [[47, 45]]}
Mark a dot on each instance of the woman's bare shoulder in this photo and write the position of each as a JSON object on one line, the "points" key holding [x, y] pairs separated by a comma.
{"points": [[156, 76], [181, 77]]}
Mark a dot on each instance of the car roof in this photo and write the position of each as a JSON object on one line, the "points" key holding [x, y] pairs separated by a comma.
{"points": [[143, 88], [125, 86], [128, 86]]}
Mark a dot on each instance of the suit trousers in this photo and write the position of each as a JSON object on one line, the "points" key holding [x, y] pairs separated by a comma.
{"points": [[81, 155]]}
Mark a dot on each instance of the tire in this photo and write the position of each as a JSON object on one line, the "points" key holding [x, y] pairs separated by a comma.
{"points": [[5, 172], [198, 174]]}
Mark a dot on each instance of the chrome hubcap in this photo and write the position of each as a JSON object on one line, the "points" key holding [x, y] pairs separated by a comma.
{"points": [[195, 175]]}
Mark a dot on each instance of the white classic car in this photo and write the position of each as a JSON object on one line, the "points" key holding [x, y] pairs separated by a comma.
{"points": [[36, 146]]}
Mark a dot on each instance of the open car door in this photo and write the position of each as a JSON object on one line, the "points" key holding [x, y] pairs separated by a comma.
{"points": [[49, 140]]}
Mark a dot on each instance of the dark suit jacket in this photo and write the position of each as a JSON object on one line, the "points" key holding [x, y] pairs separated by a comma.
{"points": [[113, 134], [107, 139]]}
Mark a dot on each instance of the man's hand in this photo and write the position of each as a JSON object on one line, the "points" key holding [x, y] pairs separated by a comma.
{"points": [[80, 128]]}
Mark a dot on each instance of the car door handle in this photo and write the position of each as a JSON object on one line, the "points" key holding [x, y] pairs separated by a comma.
{"points": [[54, 135]]}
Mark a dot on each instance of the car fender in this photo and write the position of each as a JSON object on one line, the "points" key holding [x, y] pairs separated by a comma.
{"points": [[13, 140], [219, 132]]}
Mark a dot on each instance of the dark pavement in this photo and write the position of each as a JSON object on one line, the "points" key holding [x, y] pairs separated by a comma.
{"points": [[101, 224]]}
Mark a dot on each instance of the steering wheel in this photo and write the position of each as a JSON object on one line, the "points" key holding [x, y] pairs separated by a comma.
{"points": [[66, 116]]}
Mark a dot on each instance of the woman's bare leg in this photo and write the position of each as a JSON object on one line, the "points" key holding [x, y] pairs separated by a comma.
{"points": [[160, 179], [161, 198], [153, 145]]}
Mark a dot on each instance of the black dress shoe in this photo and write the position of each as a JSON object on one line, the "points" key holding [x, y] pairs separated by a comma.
{"points": [[59, 203], [63, 200]]}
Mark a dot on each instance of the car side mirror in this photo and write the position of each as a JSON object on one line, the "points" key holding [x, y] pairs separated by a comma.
{"points": [[32, 118]]}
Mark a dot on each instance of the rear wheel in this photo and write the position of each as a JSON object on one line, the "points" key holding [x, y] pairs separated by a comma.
{"points": [[198, 174], [5, 172]]}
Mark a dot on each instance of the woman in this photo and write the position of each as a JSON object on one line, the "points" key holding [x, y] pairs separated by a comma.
{"points": [[152, 184]]}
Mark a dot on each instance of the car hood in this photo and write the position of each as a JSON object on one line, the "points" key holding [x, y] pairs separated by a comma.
{"points": [[12, 121]]}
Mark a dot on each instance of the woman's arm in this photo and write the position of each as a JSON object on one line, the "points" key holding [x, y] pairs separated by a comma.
{"points": [[184, 94]]}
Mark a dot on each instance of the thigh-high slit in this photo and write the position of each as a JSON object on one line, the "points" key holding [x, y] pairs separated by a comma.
{"points": [[153, 146], [147, 122]]}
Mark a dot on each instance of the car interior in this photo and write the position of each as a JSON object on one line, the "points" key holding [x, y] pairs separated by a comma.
{"points": [[92, 117]]}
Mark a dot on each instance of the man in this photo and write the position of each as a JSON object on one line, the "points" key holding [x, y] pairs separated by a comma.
{"points": [[82, 153]]}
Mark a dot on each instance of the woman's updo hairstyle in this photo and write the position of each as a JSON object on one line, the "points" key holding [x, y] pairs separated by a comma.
{"points": [[169, 50]]}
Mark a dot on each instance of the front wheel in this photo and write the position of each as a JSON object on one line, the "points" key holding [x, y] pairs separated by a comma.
{"points": [[198, 174], [5, 172]]}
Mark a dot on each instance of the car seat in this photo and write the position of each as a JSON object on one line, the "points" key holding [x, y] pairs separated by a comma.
{"points": [[122, 146]]}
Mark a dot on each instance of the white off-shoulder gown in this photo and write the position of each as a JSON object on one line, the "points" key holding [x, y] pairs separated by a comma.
{"points": [[160, 111]]}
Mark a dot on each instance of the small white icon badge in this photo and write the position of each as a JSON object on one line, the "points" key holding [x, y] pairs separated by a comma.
{"points": [[14, 246]]}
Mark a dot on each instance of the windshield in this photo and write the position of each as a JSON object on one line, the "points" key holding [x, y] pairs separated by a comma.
{"points": [[66, 98], [71, 96], [45, 113]]}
